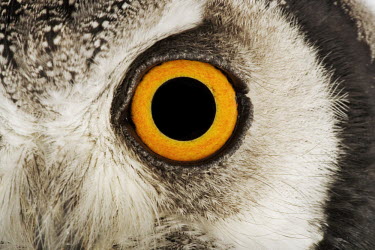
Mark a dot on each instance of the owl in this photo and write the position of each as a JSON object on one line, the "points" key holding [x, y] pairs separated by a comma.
{"points": [[187, 124]]}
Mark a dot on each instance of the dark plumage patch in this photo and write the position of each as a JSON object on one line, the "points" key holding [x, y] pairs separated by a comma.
{"points": [[9, 12], [351, 206]]}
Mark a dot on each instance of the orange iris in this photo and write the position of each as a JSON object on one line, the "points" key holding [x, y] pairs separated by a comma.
{"points": [[218, 133]]}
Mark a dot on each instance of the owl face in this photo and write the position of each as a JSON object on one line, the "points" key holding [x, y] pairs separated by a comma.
{"points": [[293, 172]]}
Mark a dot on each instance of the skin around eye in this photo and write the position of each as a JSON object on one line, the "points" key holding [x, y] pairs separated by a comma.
{"points": [[184, 110]]}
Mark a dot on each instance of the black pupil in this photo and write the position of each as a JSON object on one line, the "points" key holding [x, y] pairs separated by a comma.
{"points": [[183, 108]]}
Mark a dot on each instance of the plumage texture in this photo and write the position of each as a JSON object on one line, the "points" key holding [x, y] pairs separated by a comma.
{"points": [[302, 177]]}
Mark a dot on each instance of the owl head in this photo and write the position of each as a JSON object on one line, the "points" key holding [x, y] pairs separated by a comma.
{"points": [[187, 124]]}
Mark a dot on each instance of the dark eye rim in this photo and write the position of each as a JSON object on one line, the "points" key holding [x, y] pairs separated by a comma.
{"points": [[124, 126]]}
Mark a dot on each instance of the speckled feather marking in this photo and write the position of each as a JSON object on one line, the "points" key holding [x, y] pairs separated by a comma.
{"points": [[54, 44]]}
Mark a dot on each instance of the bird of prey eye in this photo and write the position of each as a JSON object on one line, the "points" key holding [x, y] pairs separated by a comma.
{"points": [[187, 124]]}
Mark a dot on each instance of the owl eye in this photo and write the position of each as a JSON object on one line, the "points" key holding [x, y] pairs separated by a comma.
{"points": [[178, 109], [184, 110]]}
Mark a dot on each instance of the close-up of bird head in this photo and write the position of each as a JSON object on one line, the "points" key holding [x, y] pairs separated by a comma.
{"points": [[187, 124]]}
